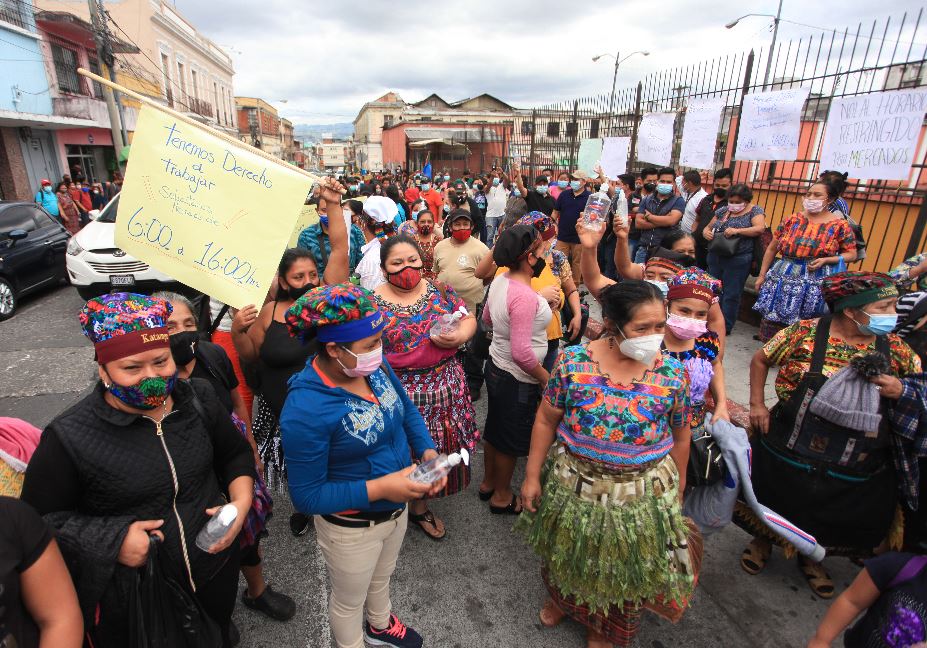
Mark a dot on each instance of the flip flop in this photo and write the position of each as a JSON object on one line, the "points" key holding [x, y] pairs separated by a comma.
{"points": [[506, 510], [429, 518], [818, 579], [485, 495], [754, 557]]}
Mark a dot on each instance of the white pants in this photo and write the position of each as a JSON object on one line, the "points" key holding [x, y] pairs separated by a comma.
{"points": [[360, 563]]}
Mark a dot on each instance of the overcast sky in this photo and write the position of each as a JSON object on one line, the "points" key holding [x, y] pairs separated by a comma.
{"points": [[326, 59]]}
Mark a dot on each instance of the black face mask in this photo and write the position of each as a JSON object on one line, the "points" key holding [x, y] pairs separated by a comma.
{"points": [[538, 268], [183, 347], [720, 194], [650, 187], [296, 293]]}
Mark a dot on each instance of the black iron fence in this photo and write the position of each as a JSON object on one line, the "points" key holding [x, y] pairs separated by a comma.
{"points": [[888, 54]]}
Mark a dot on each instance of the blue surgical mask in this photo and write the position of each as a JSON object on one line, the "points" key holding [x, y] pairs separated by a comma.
{"points": [[426, 187], [446, 178], [879, 324], [323, 218], [665, 188], [495, 182], [447, 209], [47, 189], [575, 185], [562, 184], [352, 187], [541, 189], [662, 285]]}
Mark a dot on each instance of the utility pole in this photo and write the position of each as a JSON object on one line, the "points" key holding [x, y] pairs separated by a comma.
{"points": [[772, 46], [105, 51]]}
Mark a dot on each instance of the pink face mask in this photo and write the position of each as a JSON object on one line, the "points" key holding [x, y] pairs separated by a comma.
{"points": [[367, 363], [812, 205], [685, 328], [736, 208]]}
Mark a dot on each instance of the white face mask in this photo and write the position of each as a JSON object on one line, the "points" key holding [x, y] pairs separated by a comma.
{"points": [[643, 349], [367, 363]]}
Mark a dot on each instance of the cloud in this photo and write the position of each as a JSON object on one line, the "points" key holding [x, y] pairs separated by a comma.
{"points": [[327, 62]]}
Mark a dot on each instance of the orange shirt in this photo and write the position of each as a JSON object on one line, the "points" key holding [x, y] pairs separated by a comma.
{"points": [[435, 203]]}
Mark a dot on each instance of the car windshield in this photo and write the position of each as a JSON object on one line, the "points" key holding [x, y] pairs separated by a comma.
{"points": [[109, 212]]}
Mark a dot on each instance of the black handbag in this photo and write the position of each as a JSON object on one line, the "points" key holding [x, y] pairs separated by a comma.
{"points": [[724, 246], [482, 339], [165, 615], [706, 463]]}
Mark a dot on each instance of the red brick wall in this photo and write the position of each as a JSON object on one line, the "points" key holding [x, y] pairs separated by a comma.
{"points": [[13, 179]]}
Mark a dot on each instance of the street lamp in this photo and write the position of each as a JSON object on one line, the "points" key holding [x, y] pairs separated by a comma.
{"points": [[618, 62], [772, 47]]}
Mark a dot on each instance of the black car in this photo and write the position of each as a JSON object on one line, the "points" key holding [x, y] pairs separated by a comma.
{"points": [[32, 249]]}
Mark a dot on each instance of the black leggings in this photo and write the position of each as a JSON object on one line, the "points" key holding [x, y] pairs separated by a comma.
{"points": [[217, 596]]}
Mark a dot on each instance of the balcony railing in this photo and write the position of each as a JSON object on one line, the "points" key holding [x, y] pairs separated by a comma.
{"points": [[200, 107], [13, 12]]}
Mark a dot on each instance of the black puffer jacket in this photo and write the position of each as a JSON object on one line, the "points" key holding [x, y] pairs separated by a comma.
{"points": [[98, 469]]}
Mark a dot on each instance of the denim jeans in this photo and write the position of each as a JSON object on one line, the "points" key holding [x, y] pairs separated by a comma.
{"points": [[607, 259], [492, 226], [733, 272], [640, 254]]}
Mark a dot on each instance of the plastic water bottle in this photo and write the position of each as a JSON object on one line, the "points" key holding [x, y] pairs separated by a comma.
{"points": [[596, 214], [447, 324], [431, 471], [217, 527], [621, 208]]}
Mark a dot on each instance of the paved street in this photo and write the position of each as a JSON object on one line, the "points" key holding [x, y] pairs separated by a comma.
{"points": [[480, 587]]}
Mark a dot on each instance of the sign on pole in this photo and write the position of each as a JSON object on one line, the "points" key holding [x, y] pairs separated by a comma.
{"points": [[770, 125], [655, 138], [213, 215], [615, 156], [874, 136], [700, 132]]}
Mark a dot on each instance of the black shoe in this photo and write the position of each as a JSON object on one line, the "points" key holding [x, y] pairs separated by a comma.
{"points": [[397, 634], [299, 524], [275, 605]]}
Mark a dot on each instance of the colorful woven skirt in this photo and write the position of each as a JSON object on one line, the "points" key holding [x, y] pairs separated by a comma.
{"points": [[441, 395], [613, 542], [792, 292]]}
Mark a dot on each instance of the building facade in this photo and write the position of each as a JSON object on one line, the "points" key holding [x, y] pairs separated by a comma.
{"points": [[373, 117], [259, 125]]}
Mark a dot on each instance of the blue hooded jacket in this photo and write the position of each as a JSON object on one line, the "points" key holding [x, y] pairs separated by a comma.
{"points": [[335, 441]]}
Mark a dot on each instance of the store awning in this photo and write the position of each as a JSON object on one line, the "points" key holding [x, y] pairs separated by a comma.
{"points": [[13, 118], [425, 136]]}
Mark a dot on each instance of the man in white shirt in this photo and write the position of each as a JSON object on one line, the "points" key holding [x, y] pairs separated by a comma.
{"points": [[690, 187], [496, 198], [375, 222]]}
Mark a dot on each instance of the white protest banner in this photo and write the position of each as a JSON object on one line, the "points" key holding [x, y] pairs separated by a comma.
{"points": [[655, 138], [874, 136], [615, 156], [210, 214], [770, 125], [590, 150], [700, 132]]}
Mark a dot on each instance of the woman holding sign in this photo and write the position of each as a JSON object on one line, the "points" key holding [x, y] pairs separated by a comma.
{"points": [[812, 244], [262, 339]]}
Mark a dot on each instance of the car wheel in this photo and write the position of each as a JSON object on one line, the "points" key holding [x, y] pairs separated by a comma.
{"points": [[7, 300]]}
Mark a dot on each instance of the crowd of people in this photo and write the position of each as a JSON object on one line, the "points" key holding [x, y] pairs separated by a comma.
{"points": [[411, 298], [71, 200]]}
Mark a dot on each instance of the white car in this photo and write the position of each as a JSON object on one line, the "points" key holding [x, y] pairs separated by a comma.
{"points": [[96, 266]]}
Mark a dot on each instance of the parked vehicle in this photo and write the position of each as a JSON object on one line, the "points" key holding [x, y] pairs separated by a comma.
{"points": [[32, 251], [96, 266]]}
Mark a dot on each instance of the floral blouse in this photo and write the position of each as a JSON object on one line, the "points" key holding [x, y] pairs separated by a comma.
{"points": [[617, 425], [699, 364], [792, 348], [428, 257], [408, 327], [801, 239]]}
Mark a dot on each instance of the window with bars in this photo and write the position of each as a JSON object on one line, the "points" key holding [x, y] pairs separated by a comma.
{"points": [[572, 128], [594, 128], [13, 12], [553, 129], [94, 63], [527, 128], [65, 61]]}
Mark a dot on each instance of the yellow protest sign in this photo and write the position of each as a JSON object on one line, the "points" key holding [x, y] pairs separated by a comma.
{"points": [[212, 215]]}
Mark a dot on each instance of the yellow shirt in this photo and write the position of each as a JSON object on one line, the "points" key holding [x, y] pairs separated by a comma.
{"points": [[547, 278]]}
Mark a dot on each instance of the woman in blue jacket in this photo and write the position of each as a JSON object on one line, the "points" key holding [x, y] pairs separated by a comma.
{"points": [[349, 431]]}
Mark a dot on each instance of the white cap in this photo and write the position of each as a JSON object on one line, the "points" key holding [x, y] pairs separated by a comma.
{"points": [[381, 209], [456, 457], [227, 514]]}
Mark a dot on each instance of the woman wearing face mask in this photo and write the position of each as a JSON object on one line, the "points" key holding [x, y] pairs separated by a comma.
{"points": [[427, 236], [349, 429], [427, 365], [559, 185], [658, 269], [102, 473], [689, 340], [604, 479], [829, 458], [812, 244], [204, 360], [69, 214], [515, 374], [739, 219], [262, 339]]}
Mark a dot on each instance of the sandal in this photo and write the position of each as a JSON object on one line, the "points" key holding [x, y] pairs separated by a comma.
{"points": [[551, 615], [485, 495], [818, 579], [754, 557], [506, 510], [428, 518]]}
